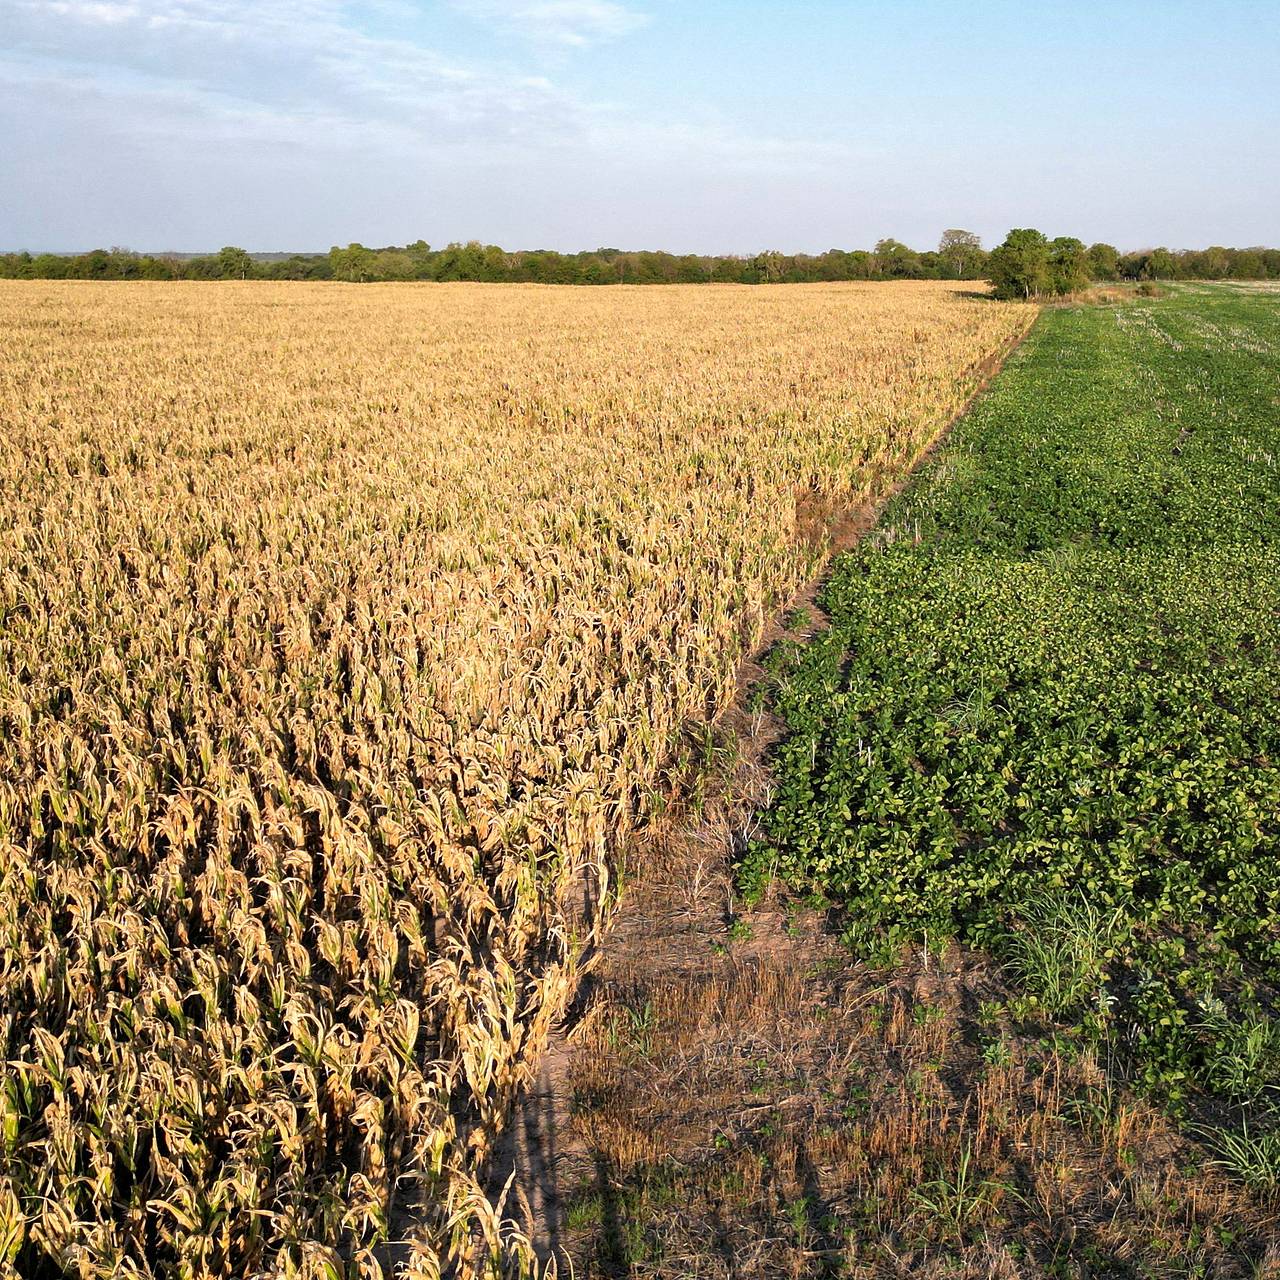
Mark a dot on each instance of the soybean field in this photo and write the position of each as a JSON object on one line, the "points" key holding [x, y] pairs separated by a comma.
{"points": [[1045, 719]]}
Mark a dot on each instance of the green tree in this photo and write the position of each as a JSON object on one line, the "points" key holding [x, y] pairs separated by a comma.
{"points": [[1068, 264], [1020, 266], [1104, 262], [961, 253], [769, 266], [1248, 265], [1160, 264], [1214, 263], [50, 266], [689, 269], [355, 263], [234, 264], [894, 261], [392, 264]]}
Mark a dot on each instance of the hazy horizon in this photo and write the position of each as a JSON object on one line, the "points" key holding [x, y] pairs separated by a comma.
{"points": [[209, 250], [568, 124]]}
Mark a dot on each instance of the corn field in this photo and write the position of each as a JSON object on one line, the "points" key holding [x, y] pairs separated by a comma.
{"points": [[345, 633]]}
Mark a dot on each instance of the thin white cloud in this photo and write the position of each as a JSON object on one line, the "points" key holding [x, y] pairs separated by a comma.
{"points": [[573, 24], [310, 70], [306, 63], [89, 12], [252, 103]]}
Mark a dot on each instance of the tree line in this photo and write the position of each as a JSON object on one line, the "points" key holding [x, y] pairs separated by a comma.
{"points": [[1030, 265], [1026, 264]]}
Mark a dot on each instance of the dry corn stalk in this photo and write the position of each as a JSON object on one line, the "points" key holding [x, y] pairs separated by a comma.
{"points": [[342, 632]]}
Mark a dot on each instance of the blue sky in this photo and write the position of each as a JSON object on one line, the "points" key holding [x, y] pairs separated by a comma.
{"points": [[692, 126]]}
